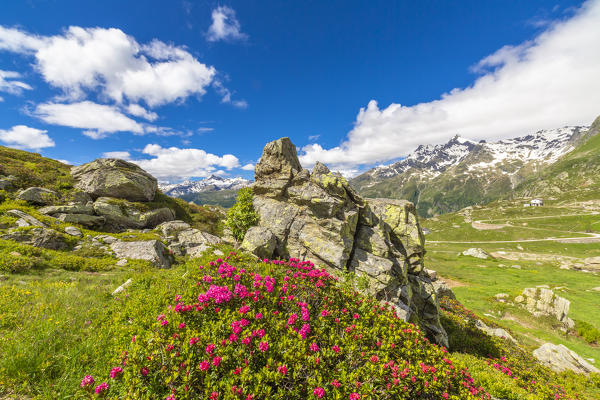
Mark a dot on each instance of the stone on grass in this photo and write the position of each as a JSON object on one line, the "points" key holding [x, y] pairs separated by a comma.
{"points": [[39, 237], [149, 250], [89, 221], [542, 300], [560, 358], [68, 209], [122, 287], [122, 262], [477, 253]]}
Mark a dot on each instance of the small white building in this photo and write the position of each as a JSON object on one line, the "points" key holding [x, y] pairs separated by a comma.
{"points": [[537, 203]]}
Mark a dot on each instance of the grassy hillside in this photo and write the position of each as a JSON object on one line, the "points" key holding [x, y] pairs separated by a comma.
{"points": [[576, 176], [32, 169]]}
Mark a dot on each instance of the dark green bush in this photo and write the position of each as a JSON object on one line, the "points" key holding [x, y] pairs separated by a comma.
{"points": [[241, 216]]}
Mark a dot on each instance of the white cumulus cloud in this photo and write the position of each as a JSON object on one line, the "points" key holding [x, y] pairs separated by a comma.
{"points": [[139, 111], [248, 167], [25, 137], [225, 26], [176, 164], [98, 120], [108, 60], [548, 82], [8, 83]]}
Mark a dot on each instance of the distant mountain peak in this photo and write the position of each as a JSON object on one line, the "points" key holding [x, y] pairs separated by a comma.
{"points": [[210, 184]]}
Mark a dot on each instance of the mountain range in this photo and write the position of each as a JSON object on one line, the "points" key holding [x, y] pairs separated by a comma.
{"points": [[462, 172], [214, 190]]}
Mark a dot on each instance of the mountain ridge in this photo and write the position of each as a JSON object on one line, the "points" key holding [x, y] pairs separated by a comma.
{"points": [[462, 172]]}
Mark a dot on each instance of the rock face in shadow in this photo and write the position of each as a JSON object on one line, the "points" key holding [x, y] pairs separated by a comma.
{"points": [[318, 216]]}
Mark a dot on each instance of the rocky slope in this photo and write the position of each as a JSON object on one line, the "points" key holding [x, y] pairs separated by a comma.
{"points": [[319, 216], [461, 172]]}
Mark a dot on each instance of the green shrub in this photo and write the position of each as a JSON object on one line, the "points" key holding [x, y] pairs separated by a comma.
{"points": [[15, 263], [241, 216], [588, 332]]}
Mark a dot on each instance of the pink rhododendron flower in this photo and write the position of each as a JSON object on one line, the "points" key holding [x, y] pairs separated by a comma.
{"points": [[335, 348], [144, 371], [210, 348], [354, 396], [204, 365], [101, 388], [263, 346], [116, 371], [88, 380], [319, 392], [258, 316], [182, 325], [314, 347], [216, 361], [282, 369]]}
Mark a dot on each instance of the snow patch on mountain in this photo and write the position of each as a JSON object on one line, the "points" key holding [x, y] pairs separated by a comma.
{"points": [[544, 146]]}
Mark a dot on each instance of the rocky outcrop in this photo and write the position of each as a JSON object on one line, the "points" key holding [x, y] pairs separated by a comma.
{"points": [[543, 301], [192, 242], [149, 250], [89, 221], [68, 209], [560, 358], [592, 263], [39, 196], [110, 177], [318, 216]]}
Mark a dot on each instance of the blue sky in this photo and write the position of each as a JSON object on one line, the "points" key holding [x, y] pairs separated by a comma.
{"points": [[190, 88]]}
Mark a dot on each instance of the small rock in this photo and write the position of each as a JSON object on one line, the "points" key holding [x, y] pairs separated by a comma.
{"points": [[519, 299], [477, 253], [171, 227], [432, 274], [596, 289], [122, 287], [122, 262], [501, 296], [218, 253], [443, 290], [21, 223], [519, 247], [71, 230], [516, 266], [3, 277], [15, 254]]}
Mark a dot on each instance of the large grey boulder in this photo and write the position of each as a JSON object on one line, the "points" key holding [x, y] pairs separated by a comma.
{"points": [[38, 196], [28, 219], [39, 237], [560, 358], [149, 250], [592, 263], [260, 241], [110, 177], [318, 216]]}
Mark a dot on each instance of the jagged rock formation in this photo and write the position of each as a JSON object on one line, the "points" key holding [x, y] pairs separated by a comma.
{"points": [[111, 177], [543, 301], [318, 216]]}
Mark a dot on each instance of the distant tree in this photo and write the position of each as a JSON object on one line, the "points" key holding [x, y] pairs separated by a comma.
{"points": [[241, 216]]}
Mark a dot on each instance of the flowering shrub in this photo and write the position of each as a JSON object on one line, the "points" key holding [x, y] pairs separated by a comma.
{"points": [[280, 330]]}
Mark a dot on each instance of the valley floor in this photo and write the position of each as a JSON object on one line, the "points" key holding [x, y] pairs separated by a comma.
{"points": [[553, 245]]}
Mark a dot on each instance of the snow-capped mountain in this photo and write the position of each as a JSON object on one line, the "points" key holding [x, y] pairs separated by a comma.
{"points": [[447, 177], [544, 146], [210, 184]]}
